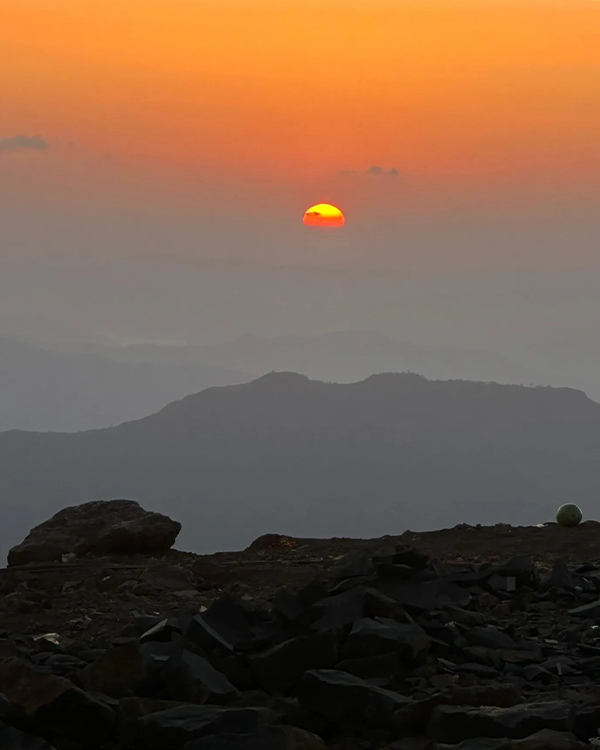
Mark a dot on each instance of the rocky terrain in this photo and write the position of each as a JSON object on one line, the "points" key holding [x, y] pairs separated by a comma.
{"points": [[471, 638]]}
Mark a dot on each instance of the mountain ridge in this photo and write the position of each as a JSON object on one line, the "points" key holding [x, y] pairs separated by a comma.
{"points": [[307, 458]]}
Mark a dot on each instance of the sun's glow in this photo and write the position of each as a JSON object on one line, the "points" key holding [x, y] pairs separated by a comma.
{"points": [[324, 215]]}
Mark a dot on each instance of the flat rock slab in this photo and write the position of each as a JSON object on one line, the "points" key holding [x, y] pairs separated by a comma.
{"points": [[172, 729], [270, 738], [342, 698], [546, 739], [453, 724]]}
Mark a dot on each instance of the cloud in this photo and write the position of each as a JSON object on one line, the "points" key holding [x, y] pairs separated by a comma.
{"points": [[18, 142], [373, 171], [380, 171]]}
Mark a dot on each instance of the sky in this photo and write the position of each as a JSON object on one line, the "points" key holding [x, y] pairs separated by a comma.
{"points": [[458, 137]]}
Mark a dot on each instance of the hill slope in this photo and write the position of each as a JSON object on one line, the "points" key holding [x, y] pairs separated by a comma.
{"points": [[51, 390], [307, 458]]}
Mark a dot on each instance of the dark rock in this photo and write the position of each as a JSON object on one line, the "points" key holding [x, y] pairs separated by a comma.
{"points": [[587, 610], [162, 631], [120, 672], [287, 606], [522, 568], [191, 678], [168, 576], [561, 577], [55, 704], [395, 572], [342, 698], [384, 665], [376, 604], [370, 637], [452, 724], [227, 624], [545, 739], [338, 610], [489, 637], [171, 729], [281, 668], [132, 709], [64, 664], [465, 616], [353, 565], [269, 738], [417, 714], [425, 596], [98, 528], [13, 739], [412, 557], [499, 583], [587, 722]]}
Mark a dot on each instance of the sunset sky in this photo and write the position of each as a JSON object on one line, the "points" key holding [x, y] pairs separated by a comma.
{"points": [[205, 129]]}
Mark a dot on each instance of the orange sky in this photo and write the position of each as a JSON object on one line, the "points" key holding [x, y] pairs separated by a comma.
{"points": [[285, 93]]}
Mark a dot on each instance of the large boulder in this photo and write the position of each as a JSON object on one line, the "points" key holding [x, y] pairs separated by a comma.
{"points": [[97, 528]]}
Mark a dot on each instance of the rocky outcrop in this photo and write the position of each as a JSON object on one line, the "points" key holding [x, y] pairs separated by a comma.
{"points": [[97, 528]]}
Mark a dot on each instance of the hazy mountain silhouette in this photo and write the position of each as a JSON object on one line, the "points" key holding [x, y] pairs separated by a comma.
{"points": [[287, 454], [51, 390], [342, 357]]}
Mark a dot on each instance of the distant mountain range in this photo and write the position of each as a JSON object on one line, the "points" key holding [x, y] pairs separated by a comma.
{"points": [[41, 389], [74, 388], [341, 357], [290, 455]]}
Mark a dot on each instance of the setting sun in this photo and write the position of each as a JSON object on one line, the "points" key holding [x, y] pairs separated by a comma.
{"points": [[324, 215]]}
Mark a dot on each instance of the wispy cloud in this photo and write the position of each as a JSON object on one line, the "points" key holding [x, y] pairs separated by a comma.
{"points": [[373, 171], [19, 142]]}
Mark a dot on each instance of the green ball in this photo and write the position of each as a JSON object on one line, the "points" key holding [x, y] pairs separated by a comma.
{"points": [[569, 515]]}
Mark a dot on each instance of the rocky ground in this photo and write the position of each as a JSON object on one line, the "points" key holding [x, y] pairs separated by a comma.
{"points": [[476, 638]]}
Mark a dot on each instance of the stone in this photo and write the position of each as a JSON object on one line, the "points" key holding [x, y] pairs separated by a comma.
{"points": [[13, 739], [162, 631], [168, 576], [383, 665], [425, 596], [208, 575], [545, 739], [376, 604], [592, 609], [269, 738], [120, 672], [412, 557], [373, 637], [173, 728], [417, 714], [338, 610], [226, 625], [55, 703], [132, 709], [191, 678], [64, 664], [98, 528], [489, 637], [343, 699], [522, 568], [353, 565], [453, 724], [499, 583], [280, 668], [560, 577]]}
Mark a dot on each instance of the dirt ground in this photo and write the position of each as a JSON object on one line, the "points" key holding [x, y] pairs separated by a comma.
{"points": [[92, 601]]}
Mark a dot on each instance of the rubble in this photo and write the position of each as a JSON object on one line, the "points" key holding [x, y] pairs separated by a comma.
{"points": [[382, 649]]}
